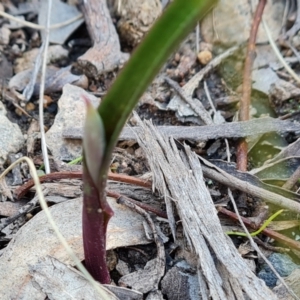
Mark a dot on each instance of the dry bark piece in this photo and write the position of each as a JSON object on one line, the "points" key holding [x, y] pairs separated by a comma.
{"points": [[204, 133], [143, 280], [136, 18], [105, 55], [222, 272]]}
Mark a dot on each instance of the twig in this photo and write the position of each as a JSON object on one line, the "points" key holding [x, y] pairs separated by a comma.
{"points": [[254, 245], [269, 247], [289, 184], [215, 173], [204, 133], [296, 26], [23, 189], [295, 51], [142, 205], [244, 111], [290, 243], [284, 18], [215, 112], [39, 27], [42, 89]]}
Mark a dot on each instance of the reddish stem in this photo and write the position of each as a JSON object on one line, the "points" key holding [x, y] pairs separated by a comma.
{"points": [[245, 102], [268, 232], [95, 216], [23, 189]]}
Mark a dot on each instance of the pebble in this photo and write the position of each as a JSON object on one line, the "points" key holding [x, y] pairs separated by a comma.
{"points": [[282, 264], [230, 21]]}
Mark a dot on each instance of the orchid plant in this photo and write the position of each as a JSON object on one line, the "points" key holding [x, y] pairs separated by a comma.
{"points": [[103, 126]]}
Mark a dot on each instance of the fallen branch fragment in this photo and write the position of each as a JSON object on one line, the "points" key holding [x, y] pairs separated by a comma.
{"points": [[177, 175], [135, 203], [215, 173], [204, 133], [105, 55]]}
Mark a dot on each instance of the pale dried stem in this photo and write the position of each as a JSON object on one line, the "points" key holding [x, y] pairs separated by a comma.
{"points": [[42, 89], [39, 27]]}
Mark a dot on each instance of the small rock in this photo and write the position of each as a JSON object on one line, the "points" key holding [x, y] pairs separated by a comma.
{"points": [[122, 267], [263, 79], [71, 113], [155, 295], [187, 285], [204, 57], [12, 139], [282, 264]]}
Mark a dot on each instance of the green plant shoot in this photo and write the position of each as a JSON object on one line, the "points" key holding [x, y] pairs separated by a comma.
{"points": [[101, 132]]}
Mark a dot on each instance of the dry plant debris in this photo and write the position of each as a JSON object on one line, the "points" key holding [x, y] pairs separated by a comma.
{"points": [[82, 65]]}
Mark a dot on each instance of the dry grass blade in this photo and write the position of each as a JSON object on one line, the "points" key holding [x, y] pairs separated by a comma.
{"points": [[36, 26]]}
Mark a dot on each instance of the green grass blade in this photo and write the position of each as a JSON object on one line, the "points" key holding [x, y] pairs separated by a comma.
{"points": [[176, 22]]}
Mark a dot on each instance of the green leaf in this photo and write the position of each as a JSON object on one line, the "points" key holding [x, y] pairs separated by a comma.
{"points": [[176, 22], [93, 141]]}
